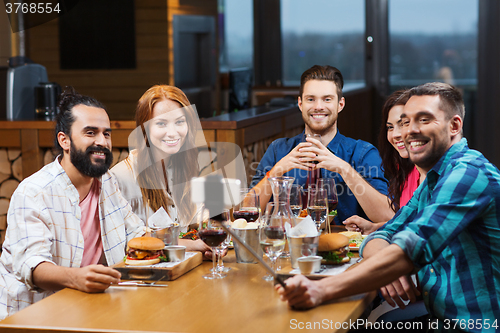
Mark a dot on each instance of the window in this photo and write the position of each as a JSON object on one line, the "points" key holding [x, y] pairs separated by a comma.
{"points": [[323, 32], [433, 40], [236, 22]]}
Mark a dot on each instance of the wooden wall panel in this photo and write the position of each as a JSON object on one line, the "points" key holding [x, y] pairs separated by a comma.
{"points": [[10, 138]]}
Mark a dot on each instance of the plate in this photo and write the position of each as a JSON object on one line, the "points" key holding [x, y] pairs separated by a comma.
{"points": [[354, 244], [357, 242]]}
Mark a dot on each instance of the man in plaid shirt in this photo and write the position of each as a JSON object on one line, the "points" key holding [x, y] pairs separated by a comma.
{"points": [[68, 221]]}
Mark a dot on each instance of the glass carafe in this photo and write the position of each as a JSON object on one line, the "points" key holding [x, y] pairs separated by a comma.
{"points": [[281, 187]]}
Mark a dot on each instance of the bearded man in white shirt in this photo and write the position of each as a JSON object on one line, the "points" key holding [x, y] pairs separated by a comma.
{"points": [[68, 221]]}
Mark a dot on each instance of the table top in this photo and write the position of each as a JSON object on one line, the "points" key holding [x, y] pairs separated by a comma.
{"points": [[242, 302]]}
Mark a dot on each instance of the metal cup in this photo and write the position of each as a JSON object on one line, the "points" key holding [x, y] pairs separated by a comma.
{"points": [[176, 252], [308, 265], [169, 235], [302, 247], [251, 238]]}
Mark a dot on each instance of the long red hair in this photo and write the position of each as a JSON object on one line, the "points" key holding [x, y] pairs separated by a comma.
{"points": [[153, 180]]}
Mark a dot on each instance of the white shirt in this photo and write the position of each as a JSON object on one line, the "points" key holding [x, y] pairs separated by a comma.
{"points": [[44, 226]]}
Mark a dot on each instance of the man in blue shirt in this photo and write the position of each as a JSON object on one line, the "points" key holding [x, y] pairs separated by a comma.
{"points": [[355, 165], [448, 232]]}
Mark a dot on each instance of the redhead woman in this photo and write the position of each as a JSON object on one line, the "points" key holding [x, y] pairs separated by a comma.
{"points": [[157, 172]]}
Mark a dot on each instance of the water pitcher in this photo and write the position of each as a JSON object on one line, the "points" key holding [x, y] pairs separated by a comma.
{"points": [[281, 193]]}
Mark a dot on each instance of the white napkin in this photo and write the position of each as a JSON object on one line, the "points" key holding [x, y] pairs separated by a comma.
{"points": [[160, 219], [306, 228]]}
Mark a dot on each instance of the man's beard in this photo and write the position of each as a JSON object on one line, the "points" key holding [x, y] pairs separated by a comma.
{"points": [[83, 163], [314, 128]]}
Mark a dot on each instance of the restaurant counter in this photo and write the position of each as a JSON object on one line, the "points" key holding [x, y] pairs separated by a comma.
{"points": [[243, 128]]}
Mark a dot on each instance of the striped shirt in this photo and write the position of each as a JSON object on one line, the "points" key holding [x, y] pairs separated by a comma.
{"points": [[44, 226], [450, 229]]}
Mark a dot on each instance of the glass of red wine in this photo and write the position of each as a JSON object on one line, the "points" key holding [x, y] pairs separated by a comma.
{"points": [[272, 237], [224, 218], [213, 235], [248, 208], [331, 192]]}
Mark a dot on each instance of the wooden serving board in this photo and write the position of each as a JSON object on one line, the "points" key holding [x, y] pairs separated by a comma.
{"points": [[157, 272]]}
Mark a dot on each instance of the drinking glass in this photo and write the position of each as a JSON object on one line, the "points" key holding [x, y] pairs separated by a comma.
{"points": [[296, 199], [248, 208], [317, 205], [331, 193], [213, 235], [224, 245], [315, 136], [313, 174], [224, 218], [272, 237]]}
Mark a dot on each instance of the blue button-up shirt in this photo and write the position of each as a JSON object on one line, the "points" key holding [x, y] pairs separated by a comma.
{"points": [[361, 155], [450, 229]]}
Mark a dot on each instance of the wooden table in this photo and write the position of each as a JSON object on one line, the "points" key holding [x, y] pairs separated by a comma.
{"points": [[242, 302]]}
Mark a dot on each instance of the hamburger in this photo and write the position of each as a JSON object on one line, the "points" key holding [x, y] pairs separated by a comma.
{"points": [[334, 248], [144, 251]]}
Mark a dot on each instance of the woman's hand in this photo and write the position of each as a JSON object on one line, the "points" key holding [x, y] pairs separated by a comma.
{"points": [[356, 223], [400, 290], [199, 245]]}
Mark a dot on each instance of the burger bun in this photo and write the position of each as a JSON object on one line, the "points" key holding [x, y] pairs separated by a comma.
{"points": [[141, 262], [332, 242], [146, 243]]}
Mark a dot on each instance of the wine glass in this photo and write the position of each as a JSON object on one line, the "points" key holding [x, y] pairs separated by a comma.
{"points": [[248, 208], [272, 237], [317, 205], [224, 245], [296, 199], [224, 218], [331, 194], [213, 235]]}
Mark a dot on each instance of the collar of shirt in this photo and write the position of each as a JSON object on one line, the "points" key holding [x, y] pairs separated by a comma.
{"points": [[65, 182], [443, 163]]}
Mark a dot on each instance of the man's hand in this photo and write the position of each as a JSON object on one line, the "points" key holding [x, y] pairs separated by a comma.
{"points": [[357, 223], [91, 279], [400, 290], [94, 278], [325, 158], [300, 292], [294, 160]]}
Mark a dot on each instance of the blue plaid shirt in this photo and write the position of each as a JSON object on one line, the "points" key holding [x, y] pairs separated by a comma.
{"points": [[450, 229], [361, 155]]}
